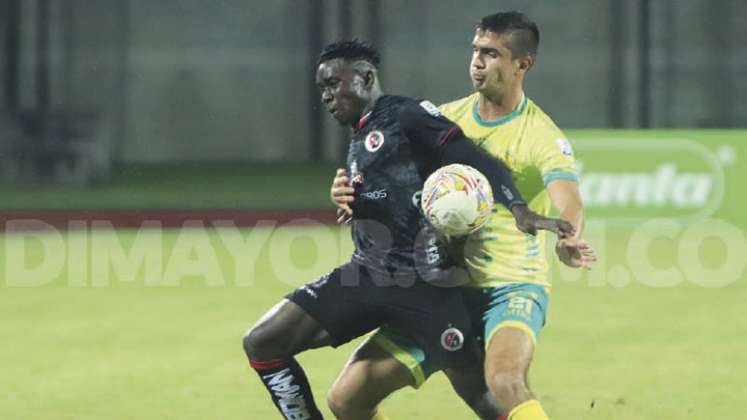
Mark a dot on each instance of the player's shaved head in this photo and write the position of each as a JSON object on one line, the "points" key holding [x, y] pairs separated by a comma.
{"points": [[523, 34]]}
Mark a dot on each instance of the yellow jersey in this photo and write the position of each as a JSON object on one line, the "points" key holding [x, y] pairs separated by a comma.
{"points": [[538, 153]]}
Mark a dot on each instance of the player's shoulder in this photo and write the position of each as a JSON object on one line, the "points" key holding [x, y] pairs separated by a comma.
{"points": [[454, 109], [411, 110], [395, 108], [390, 103], [547, 138], [400, 103], [541, 125]]}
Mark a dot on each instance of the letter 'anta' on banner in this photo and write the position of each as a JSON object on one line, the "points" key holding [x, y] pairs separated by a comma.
{"points": [[637, 175]]}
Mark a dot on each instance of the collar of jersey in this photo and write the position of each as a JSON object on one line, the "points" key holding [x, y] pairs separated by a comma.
{"points": [[381, 101], [499, 121], [363, 120]]}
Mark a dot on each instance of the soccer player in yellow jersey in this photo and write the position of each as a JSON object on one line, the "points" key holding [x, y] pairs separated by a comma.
{"points": [[508, 269]]}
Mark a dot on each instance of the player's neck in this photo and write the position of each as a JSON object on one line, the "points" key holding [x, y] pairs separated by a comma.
{"points": [[495, 107], [369, 106], [372, 102]]}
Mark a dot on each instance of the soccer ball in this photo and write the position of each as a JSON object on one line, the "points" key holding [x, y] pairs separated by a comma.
{"points": [[457, 199]]}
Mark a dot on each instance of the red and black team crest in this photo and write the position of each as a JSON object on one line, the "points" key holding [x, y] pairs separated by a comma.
{"points": [[452, 339], [374, 141]]}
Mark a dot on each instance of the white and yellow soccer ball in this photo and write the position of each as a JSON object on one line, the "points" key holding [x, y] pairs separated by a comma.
{"points": [[457, 199]]}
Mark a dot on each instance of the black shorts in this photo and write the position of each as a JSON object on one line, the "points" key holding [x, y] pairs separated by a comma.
{"points": [[353, 300]]}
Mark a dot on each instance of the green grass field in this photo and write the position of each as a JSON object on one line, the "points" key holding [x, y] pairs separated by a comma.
{"points": [[79, 343]]}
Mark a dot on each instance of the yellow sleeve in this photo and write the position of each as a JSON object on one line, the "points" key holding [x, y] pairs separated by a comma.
{"points": [[553, 155]]}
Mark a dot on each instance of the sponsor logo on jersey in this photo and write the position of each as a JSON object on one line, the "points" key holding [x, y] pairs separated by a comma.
{"points": [[430, 108], [374, 141], [452, 339], [375, 195], [432, 252], [565, 146]]}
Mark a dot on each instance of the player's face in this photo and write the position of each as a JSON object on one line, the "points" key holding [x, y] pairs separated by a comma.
{"points": [[493, 67], [342, 90]]}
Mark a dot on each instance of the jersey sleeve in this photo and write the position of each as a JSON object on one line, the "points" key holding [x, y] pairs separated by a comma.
{"points": [[553, 155], [425, 126]]}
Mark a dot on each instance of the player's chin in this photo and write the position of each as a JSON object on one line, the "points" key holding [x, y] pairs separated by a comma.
{"points": [[343, 122], [479, 85], [340, 118]]}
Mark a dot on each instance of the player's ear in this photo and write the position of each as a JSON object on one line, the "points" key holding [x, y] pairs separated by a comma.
{"points": [[369, 78], [526, 63]]}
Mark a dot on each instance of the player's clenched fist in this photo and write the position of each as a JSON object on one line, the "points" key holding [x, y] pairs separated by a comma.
{"points": [[341, 195]]}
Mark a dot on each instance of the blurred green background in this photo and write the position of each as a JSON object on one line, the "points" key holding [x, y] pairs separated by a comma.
{"points": [[305, 185]]}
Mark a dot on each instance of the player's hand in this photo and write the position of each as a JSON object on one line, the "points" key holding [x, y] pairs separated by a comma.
{"points": [[575, 252], [341, 194], [530, 222]]}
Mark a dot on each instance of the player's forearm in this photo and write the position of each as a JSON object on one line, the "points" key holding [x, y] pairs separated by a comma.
{"points": [[566, 198], [574, 214], [460, 149]]}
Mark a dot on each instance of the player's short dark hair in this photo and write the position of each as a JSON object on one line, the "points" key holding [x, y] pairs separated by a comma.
{"points": [[524, 33], [350, 50]]}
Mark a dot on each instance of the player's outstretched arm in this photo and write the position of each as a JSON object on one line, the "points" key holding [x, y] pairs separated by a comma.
{"points": [[572, 250], [460, 149], [432, 133]]}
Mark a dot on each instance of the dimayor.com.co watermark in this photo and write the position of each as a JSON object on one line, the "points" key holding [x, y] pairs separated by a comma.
{"points": [[657, 253]]}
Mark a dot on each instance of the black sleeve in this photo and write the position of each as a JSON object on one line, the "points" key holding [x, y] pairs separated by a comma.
{"points": [[434, 134], [424, 126], [457, 148]]}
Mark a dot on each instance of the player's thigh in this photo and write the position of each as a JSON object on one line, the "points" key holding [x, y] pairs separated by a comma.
{"points": [[437, 320], [370, 375], [285, 329], [513, 322], [340, 302]]}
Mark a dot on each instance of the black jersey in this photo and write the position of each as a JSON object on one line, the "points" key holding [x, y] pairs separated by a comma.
{"points": [[391, 154]]}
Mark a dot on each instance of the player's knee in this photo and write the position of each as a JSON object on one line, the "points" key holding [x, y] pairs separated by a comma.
{"points": [[339, 403], [346, 406], [249, 342], [505, 383], [259, 342]]}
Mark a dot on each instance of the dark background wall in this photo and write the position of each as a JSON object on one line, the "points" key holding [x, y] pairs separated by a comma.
{"points": [[192, 80]]}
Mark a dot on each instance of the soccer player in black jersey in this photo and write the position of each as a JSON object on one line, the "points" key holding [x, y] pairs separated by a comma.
{"points": [[396, 143]]}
